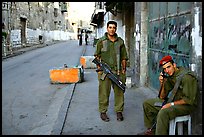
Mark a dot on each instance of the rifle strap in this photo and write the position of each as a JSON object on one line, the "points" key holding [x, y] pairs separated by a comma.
{"points": [[174, 90]]}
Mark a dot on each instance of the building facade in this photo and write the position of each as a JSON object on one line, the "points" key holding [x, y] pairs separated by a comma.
{"points": [[152, 30], [29, 23]]}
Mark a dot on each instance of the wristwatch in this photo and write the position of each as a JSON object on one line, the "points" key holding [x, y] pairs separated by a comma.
{"points": [[172, 103]]}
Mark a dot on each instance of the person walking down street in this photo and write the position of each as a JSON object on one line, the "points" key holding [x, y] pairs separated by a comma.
{"points": [[111, 50], [86, 38], [80, 39], [172, 100]]}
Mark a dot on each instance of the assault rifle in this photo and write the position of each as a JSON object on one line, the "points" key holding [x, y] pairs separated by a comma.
{"points": [[107, 71]]}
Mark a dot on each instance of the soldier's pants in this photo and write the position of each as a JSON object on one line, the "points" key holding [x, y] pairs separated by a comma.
{"points": [[104, 93], [162, 117]]}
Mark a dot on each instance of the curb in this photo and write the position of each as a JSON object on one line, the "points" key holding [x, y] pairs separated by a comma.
{"points": [[56, 113], [59, 124], [61, 118]]}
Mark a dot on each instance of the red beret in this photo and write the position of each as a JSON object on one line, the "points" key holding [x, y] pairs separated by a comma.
{"points": [[164, 60]]}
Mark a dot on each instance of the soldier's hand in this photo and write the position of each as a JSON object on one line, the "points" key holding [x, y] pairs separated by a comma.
{"points": [[123, 71], [100, 72], [161, 78], [166, 106]]}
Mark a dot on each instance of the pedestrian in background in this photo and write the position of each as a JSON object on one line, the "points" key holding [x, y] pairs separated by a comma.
{"points": [[183, 102], [86, 38], [80, 39], [111, 49]]}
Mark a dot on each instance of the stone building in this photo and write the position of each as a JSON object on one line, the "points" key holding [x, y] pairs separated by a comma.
{"points": [[28, 23], [152, 30]]}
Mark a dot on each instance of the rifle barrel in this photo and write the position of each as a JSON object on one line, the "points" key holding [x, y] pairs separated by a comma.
{"points": [[112, 76]]}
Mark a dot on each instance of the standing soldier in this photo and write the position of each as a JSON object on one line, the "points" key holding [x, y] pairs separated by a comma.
{"points": [[111, 50]]}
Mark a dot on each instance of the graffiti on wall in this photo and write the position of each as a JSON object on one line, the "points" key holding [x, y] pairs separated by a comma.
{"points": [[170, 36]]}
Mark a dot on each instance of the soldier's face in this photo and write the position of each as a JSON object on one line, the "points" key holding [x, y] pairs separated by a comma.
{"points": [[111, 29], [169, 68]]}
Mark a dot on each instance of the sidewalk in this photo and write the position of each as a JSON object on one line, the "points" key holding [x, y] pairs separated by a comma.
{"points": [[83, 117]]}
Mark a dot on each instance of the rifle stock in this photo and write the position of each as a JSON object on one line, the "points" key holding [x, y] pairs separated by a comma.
{"points": [[107, 70]]}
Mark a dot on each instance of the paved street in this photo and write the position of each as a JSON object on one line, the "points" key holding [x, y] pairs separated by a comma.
{"points": [[37, 108], [30, 104], [83, 117]]}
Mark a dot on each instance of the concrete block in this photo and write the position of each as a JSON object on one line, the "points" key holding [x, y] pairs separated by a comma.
{"points": [[86, 62], [128, 82], [65, 75]]}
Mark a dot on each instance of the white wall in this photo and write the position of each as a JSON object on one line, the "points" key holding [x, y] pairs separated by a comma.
{"points": [[33, 36], [196, 38], [15, 37]]}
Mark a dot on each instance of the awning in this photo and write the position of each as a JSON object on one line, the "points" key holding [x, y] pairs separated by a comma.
{"points": [[110, 5], [97, 17], [114, 7]]}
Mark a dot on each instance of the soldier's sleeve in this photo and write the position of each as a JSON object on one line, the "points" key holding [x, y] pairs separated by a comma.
{"points": [[167, 87], [190, 89], [98, 48]]}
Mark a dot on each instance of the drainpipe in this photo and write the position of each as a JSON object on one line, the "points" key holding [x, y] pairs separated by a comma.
{"points": [[144, 45]]}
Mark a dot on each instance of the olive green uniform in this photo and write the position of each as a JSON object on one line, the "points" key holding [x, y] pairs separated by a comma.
{"points": [[111, 53], [187, 91]]}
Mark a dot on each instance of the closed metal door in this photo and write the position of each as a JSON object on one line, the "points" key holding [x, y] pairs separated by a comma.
{"points": [[169, 33]]}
